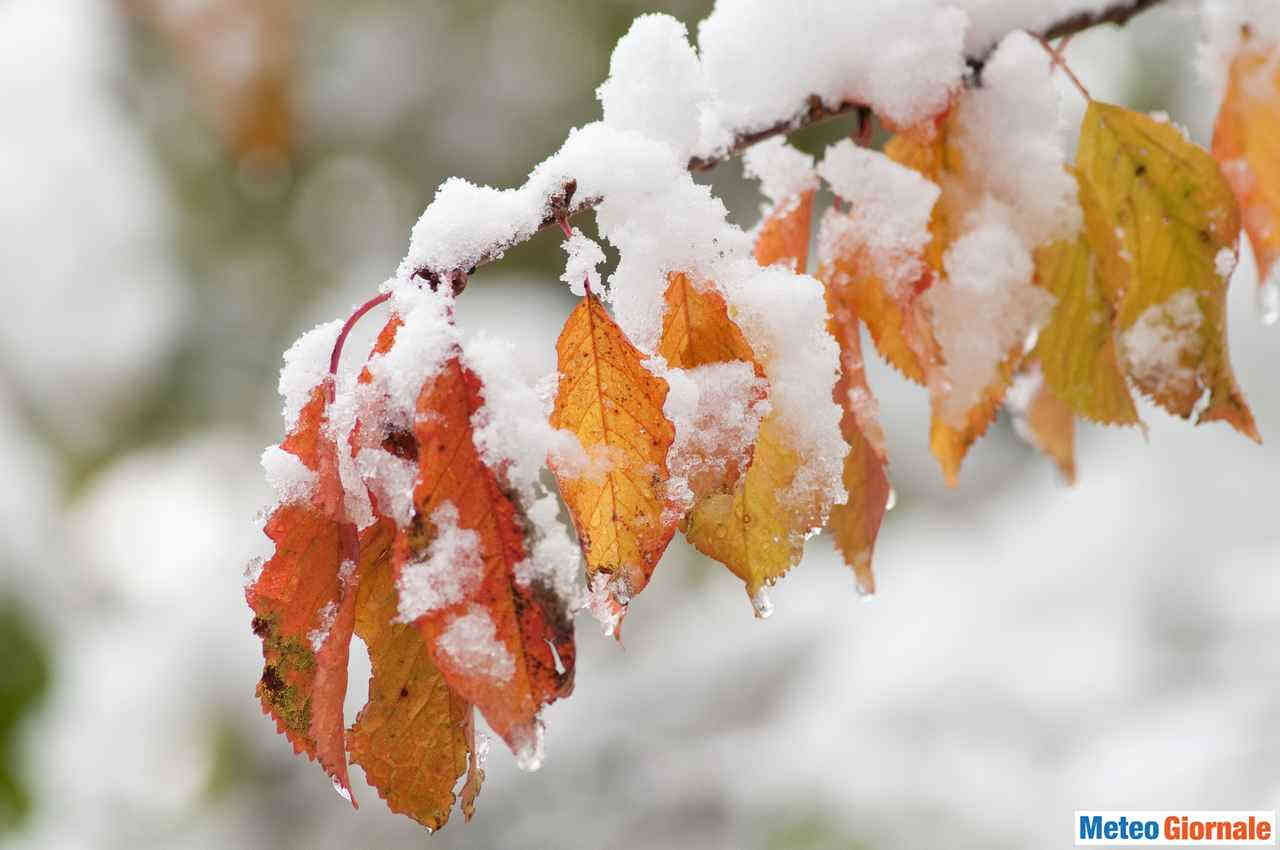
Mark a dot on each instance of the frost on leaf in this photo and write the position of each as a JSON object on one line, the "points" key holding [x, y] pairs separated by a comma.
{"points": [[614, 405], [463, 512], [1077, 347], [1160, 213], [1246, 143]]}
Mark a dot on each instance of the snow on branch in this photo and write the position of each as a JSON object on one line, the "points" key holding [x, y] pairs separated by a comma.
{"points": [[905, 53]]}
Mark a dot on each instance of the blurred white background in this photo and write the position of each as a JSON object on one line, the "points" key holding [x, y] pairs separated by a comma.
{"points": [[182, 195]]}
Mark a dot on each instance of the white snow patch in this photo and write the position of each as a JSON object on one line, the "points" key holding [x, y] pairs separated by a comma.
{"points": [[471, 641], [326, 616], [580, 268], [1158, 347], [784, 172], [306, 364], [449, 571], [391, 479], [889, 210], [290, 478]]}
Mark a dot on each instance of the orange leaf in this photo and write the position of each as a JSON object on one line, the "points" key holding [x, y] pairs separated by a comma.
{"points": [[949, 444], [856, 523], [613, 404], [414, 735], [499, 641], [697, 331], [1042, 418], [784, 235], [303, 603], [1246, 143]]}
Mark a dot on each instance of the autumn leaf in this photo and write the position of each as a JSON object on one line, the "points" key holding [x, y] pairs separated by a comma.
{"points": [[950, 443], [1246, 143], [415, 736], [304, 603], [501, 640], [613, 404], [1164, 223], [784, 235], [1077, 347], [697, 332], [755, 530], [1043, 419], [855, 524]]}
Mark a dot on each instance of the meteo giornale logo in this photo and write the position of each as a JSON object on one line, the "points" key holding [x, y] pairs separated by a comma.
{"points": [[1175, 827]]}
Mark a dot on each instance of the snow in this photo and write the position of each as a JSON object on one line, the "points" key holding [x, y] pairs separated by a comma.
{"points": [[764, 59], [889, 210], [784, 172], [423, 344], [513, 435], [290, 478], [471, 641], [1011, 132], [984, 307], [306, 364], [1164, 340], [716, 410], [391, 480], [581, 268], [325, 618], [448, 572], [656, 85], [784, 317], [1224, 262]]}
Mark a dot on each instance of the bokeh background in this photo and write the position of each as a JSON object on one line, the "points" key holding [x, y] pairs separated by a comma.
{"points": [[186, 186]]}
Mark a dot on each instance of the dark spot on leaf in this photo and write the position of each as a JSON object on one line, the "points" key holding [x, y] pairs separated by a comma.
{"points": [[261, 626], [271, 680]]}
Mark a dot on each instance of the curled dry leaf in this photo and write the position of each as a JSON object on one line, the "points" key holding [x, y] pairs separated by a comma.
{"points": [[1163, 221], [613, 404]]}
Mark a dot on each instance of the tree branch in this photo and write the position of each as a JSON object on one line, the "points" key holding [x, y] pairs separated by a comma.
{"points": [[563, 205]]}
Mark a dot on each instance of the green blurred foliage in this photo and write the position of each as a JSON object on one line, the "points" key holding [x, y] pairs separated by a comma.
{"points": [[24, 679]]}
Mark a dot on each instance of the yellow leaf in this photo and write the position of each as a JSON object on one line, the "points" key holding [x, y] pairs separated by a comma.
{"points": [[1246, 142], [898, 325], [754, 531], [613, 404], [856, 523], [1077, 348], [1164, 223], [413, 736]]}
